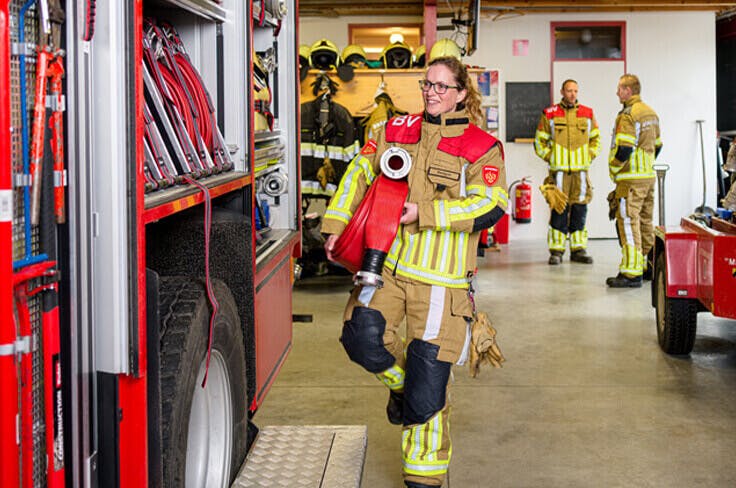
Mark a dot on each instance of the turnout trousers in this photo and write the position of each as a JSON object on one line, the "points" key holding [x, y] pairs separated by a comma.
{"points": [[437, 336], [635, 199], [576, 185], [571, 221]]}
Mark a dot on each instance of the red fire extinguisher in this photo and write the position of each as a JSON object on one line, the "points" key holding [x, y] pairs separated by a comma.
{"points": [[521, 204]]}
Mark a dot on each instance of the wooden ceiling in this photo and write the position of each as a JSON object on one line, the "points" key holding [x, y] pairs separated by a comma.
{"points": [[494, 9]]}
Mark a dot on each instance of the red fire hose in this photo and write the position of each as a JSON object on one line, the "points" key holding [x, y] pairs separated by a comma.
{"points": [[363, 245]]}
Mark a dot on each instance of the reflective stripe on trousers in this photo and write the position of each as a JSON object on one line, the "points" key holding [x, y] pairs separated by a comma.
{"points": [[426, 448]]}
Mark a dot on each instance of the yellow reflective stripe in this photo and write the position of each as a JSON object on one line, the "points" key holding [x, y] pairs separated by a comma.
{"points": [[393, 377], [625, 138], [441, 215], [579, 239], [460, 258], [633, 176], [466, 209], [311, 187], [555, 240], [339, 207], [632, 261], [420, 445], [334, 152], [446, 243], [498, 194], [428, 276]]}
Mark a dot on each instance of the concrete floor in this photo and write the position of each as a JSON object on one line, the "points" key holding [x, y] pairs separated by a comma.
{"points": [[585, 399]]}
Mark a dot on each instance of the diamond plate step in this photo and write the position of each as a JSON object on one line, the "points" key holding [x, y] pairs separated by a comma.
{"points": [[309, 456]]}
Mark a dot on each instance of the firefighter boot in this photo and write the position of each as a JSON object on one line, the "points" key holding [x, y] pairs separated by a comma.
{"points": [[555, 257], [623, 281], [412, 484], [395, 408], [580, 256]]}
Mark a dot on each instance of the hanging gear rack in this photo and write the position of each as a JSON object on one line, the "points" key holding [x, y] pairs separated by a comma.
{"points": [[178, 102]]}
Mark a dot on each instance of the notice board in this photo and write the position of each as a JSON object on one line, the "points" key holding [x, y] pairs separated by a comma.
{"points": [[524, 104]]}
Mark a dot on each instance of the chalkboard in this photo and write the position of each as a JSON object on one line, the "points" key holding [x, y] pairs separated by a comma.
{"points": [[524, 104]]}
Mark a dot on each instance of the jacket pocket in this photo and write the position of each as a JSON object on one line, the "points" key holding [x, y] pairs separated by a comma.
{"points": [[445, 176]]}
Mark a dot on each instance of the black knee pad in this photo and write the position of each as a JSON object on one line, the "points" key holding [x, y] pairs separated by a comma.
{"points": [[425, 386], [362, 338]]}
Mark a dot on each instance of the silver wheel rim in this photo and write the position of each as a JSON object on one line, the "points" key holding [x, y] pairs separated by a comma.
{"points": [[209, 442]]}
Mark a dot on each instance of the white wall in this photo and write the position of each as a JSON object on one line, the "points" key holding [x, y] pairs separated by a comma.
{"points": [[673, 53]]}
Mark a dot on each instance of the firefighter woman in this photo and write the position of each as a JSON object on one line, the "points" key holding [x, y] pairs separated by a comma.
{"points": [[456, 189]]}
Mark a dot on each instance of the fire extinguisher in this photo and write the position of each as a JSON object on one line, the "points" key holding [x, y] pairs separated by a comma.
{"points": [[521, 204]]}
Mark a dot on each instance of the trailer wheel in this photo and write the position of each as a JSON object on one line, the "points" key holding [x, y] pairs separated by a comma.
{"points": [[203, 430], [677, 318]]}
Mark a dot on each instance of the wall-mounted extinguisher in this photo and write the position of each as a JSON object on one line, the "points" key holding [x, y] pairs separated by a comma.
{"points": [[521, 204]]}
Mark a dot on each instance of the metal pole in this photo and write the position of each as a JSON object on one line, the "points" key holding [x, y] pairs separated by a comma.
{"points": [[661, 170], [703, 209]]}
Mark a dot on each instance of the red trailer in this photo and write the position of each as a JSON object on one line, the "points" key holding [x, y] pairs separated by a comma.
{"points": [[694, 271]]}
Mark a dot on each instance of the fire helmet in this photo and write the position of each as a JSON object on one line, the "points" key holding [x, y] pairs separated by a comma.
{"points": [[324, 55], [354, 55], [420, 57], [396, 56], [445, 47]]}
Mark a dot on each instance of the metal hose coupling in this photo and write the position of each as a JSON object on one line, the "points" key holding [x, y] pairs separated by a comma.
{"points": [[395, 163]]}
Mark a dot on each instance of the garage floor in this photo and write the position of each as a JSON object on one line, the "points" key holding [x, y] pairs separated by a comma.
{"points": [[585, 399]]}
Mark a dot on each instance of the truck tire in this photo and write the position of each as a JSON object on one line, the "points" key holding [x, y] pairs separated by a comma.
{"points": [[677, 318], [203, 430]]}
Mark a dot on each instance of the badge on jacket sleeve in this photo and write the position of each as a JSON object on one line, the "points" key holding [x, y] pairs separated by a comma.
{"points": [[369, 148], [490, 174]]}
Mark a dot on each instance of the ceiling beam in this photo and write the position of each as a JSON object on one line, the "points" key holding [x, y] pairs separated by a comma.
{"points": [[492, 8]]}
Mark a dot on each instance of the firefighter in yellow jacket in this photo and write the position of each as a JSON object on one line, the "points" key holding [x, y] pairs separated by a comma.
{"points": [[636, 143], [568, 139], [456, 189]]}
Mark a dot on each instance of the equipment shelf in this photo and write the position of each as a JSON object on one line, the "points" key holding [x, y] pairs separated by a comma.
{"points": [[266, 136], [181, 197], [268, 19], [203, 8]]}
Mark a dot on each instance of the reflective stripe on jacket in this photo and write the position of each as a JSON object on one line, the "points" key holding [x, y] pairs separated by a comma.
{"points": [[567, 137], [637, 127], [458, 180]]}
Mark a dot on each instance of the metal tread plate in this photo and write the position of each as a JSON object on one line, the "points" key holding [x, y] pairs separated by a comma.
{"points": [[310, 456]]}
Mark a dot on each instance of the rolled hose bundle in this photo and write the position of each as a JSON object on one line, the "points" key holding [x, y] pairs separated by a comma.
{"points": [[363, 245]]}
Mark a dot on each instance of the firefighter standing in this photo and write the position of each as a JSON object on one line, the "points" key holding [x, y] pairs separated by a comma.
{"points": [[456, 188], [568, 139], [636, 143]]}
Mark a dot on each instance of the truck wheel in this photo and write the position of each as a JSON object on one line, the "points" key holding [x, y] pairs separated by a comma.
{"points": [[677, 318], [203, 430]]}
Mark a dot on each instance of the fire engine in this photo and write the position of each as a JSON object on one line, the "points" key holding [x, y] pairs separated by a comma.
{"points": [[149, 219]]}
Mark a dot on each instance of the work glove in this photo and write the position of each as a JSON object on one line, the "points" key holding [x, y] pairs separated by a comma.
{"points": [[612, 205], [483, 345], [555, 198], [326, 173]]}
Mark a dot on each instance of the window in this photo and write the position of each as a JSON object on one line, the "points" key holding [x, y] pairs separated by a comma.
{"points": [[374, 37], [580, 40]]}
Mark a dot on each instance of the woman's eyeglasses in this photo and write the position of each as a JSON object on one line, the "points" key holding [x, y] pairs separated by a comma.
{"points": [[439, 87]]}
